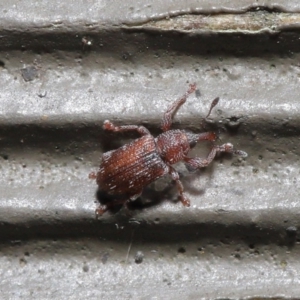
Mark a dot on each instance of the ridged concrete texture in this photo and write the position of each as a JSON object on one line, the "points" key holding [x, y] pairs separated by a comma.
{"points": [[65, 67]]}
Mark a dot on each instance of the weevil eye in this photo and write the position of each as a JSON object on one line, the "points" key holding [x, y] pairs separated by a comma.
{"points": [[193, 144], [192, 139]]}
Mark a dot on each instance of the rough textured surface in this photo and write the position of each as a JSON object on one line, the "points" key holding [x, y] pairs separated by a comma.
{"points": [[239, 238], [62, 14]]}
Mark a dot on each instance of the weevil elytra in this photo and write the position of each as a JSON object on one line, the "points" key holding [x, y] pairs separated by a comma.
{"points": [[128, 169]]}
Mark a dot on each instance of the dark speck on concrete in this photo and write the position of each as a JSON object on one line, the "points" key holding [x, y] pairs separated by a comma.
{"points": [[29, 73]]}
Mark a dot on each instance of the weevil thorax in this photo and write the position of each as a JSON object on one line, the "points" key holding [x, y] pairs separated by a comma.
{"points": [[173, 145]]}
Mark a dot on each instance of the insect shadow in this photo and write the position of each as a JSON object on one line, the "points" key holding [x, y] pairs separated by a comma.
{"points": [[149, 198], [152, 197]]}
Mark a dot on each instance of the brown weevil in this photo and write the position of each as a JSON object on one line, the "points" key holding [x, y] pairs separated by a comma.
{"points": [[128, 169]]}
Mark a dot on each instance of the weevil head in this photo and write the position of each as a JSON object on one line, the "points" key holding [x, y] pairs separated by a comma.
{"points": [[173, 145]]}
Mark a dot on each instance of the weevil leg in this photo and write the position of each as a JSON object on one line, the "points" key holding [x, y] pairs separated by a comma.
{"points": [[107, 125], [197, 162], [169, 114], [135, 196], [101, 209], [175, 176]]}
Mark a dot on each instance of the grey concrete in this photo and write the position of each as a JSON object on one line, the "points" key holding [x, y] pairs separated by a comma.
{"points": [[64, 14], [239, 238]]}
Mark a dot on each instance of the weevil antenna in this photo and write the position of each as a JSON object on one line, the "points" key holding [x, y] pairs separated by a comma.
{"points": [[213, 104]]}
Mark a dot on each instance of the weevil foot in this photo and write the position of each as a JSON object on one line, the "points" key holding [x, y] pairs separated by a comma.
{"points": [[240, 153], [92, 175], [100, 211], [185, 201]]}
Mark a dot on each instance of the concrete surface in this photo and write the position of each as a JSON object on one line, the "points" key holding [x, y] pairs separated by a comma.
{"points": [[239, 238]]}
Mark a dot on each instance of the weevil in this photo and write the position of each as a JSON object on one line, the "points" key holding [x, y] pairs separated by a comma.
{"points": [[128, 169]]}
